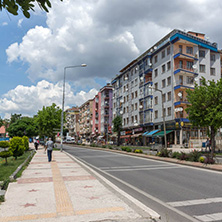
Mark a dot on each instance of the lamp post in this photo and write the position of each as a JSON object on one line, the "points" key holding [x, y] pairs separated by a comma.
{"points": [[63, 100], [164, 124]]}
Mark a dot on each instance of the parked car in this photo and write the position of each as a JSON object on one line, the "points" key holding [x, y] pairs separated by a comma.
{"points": [[69, 141]]}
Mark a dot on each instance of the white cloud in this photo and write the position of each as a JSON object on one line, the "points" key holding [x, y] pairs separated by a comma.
{"points": [[28, 100], [20, 22], [4, 23]]}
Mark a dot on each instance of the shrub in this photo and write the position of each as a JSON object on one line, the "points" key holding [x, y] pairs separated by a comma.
{"points": [[176, 155], [183, 156], [110, 147], [194, 156], [138, 151], [17, 146], [26, 142], [6, 153], [103, 146], [93, 145], [202, 159], [126, 148], [209, 160], [164, 153]]}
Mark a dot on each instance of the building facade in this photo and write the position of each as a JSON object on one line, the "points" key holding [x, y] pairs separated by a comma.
{"points": [[102, 112], [72, 121], [155, 84]]}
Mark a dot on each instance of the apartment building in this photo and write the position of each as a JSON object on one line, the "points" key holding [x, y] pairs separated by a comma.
{"points": [[85, 120], [72, 121], [102, 112], [155, 83]]}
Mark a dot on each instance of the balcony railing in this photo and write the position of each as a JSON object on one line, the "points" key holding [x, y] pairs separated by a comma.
{"points": [[184, 67], [183, 51], [184, 83]]}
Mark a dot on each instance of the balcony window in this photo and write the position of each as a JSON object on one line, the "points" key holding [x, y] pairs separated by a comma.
{"points": [[164, 98], [189, 50], [180, 64], [212, 72], [155, 59], [169, 111], [155, 72], [169, 96], [168, 66], [169, 81], [190, 80], [180, 49], [180, 80], [189, 65], [163, 54], [132, 107], [212, 57], [132, 119], [156, 85], [136, 94], [156, 100], [202, 68], [202, 53], [168, 50], [135, 106], [163, 83], [163, 68]]}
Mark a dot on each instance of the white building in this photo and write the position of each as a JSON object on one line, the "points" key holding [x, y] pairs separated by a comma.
{"points": [[172, 65]]}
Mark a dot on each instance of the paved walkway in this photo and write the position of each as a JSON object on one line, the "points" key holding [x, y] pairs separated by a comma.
{"points": [[64, 190]]}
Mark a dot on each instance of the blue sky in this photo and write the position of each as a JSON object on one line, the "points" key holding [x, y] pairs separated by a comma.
{"points": [[106, 35]]}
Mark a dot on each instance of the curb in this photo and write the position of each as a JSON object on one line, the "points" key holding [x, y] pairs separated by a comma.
{"points": [[164, 159], [154, 216]]}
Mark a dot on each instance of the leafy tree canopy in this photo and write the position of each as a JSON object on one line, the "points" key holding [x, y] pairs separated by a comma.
{"points": [[48, 119], [206, 106], [117, 127], [23, 126], [13, 6], [15, 117]]}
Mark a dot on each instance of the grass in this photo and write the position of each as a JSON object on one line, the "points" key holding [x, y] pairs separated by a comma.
{"points": [[7, 170]]}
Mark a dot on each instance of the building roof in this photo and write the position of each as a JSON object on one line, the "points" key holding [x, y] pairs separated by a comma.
{"points": [[2, 129]]}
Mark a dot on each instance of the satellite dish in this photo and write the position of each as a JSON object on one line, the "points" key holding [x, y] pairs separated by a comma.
{"points": [[196, 79], [121, 112], [194, 66], [150, 64], [151, 50], [180, 94], [155, 47]]}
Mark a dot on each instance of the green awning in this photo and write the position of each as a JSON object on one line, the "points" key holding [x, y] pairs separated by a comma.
{"points": [[161, 133]]}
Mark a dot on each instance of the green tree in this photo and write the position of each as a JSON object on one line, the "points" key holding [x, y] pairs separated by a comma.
{"points": [[26, 142], [13, 6], [5, 153], [117, 127], [23, 126], [15, 117], [48, 119], [206, 107], [17, 146], [1, 122]]}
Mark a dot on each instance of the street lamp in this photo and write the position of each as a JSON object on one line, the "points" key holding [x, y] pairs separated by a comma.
{"points": [[63, 100], [164, 124]]}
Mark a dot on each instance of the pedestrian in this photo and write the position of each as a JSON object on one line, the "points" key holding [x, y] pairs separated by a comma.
{"points": [[36, 144], [49, 146]]}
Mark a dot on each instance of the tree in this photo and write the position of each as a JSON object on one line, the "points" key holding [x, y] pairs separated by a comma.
{"points": [[5, 153], [17, 146], [48, 119], [23, 126], [1, 122], [13, 6], [15, 117], [117, 127], [206, 107]]}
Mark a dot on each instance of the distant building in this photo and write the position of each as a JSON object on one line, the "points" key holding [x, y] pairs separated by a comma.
{"points": [[170, 66], [2, 131]]}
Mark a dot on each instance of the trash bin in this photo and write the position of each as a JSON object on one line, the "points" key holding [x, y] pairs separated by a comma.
{"points": [[203, 144]]}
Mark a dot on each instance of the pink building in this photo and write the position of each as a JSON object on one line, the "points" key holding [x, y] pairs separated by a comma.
{"points": [[102, 111]]}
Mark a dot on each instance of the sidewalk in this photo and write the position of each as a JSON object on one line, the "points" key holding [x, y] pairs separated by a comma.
{"points": [[64, 190]]}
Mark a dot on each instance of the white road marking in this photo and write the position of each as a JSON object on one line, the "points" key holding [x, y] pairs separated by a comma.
{"points": [[210, 217], [195, 202], [130, 166]]}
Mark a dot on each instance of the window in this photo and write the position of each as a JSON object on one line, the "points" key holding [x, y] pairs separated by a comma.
{"points": [[163, 68], [124, 88], [202, 68], [163, 54], [164, 98], [124, 110], [132, 119], [180, 64], [136, 119], [169, 111], [202, 53], [127, 120], [132, 107], [180, 80], [135, 106], [127, 109], [189, 65], [155, 59], [124, 99], [156, 100], [168, 66], [180, 49], [124, 121], [155, 72], [212, 72], [164, 112], [168, 81], [156, 85], [190, 80], [163, 83], [212, 57], [132, 95], [132, 83], [168, 50], [135, 94], [169, 96], [189, 50], [127, 98], [156, 114], [136, 81], [132, 72]]}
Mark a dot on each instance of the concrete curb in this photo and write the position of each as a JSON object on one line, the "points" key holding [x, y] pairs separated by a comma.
{"points": [[154, 215], [215, 167]]}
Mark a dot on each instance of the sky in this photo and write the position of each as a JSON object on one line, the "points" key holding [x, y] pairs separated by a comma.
{"points": [[104, 34]]}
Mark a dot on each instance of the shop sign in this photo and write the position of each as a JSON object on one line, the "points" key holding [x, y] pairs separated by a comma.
{"points": [[128, 132], [123, 133], [138, 129]]}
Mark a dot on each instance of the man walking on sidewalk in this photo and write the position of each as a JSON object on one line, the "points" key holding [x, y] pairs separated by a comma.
{"points": [[49, 146]]}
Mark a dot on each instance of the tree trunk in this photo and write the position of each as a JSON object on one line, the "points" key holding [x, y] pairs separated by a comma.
{"points": [[118, 139], [213, 142]]}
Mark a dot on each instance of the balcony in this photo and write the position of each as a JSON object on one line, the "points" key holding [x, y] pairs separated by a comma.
{"points": [[180, 84], [182, 54], [184, 69]]}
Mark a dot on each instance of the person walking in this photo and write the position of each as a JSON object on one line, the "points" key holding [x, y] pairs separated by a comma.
{"points": [[49, 146]]}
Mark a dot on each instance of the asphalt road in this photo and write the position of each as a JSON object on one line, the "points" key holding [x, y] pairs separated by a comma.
{"points": [[178, 193]]}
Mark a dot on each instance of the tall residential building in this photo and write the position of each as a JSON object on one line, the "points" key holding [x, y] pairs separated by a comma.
{"points": [[85, 119], [102, 111], [170, 66], [72, 121]]}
